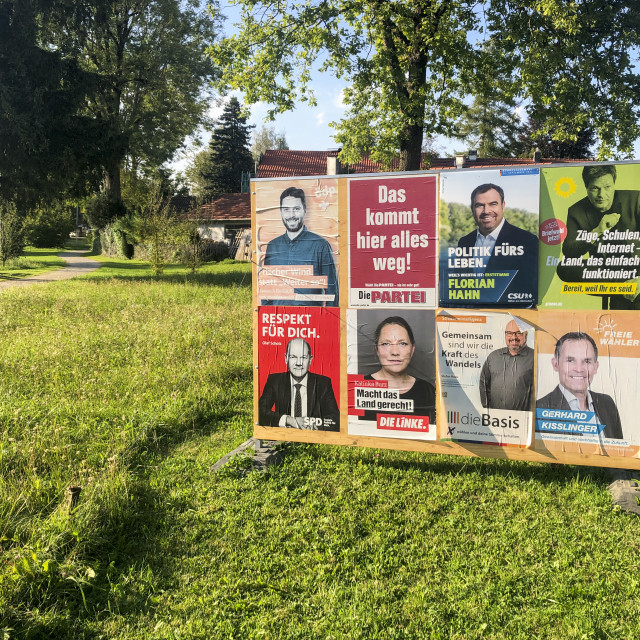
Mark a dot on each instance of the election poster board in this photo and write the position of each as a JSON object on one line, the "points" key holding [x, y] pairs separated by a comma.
{"points": [[391, 373], [297, 242], [297, 348], [488, 237], [393, 241], [590, 237], [451, 388], [587, 389], [486, 369]]}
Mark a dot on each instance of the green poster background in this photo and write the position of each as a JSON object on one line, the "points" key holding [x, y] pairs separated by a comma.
{"points": [[560, 188]]}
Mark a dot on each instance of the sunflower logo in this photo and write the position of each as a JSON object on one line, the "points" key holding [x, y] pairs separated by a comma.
{"points": [[565, 187]]}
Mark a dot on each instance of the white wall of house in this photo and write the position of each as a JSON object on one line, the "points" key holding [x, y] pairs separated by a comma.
{"points": [[211, 231]]}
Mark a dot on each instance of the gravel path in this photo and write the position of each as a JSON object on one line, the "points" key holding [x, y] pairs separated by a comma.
{"points": [[77, 265]]}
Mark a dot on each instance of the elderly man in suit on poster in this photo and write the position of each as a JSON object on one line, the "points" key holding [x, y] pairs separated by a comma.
{"points": [[298, 398]]}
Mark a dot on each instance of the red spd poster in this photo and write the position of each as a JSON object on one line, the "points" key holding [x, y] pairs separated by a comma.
{"points": [[299, 368], [392, 241]]}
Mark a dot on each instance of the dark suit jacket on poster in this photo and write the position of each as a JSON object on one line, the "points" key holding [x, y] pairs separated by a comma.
{"points": [[526, 265], [583, 216], [275, 400], [604, 405]]}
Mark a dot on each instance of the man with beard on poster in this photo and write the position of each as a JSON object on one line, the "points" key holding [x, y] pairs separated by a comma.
{"points": [[298, 398], [506, 379], [576, 361], [591, 221], [299, 246], [506, 247]]}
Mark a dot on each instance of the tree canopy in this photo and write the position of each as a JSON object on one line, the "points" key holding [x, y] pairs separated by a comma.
{"points": [[409, 64], [128, 79], [48, 142], [267, 138], [155, 77]]}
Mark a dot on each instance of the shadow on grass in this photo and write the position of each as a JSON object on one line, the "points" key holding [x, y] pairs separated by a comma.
{"points": [[450, 465], [127, 546], [141, 272]]}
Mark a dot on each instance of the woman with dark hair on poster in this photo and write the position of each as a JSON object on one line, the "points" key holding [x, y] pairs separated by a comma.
{"points": [[395, 346]]}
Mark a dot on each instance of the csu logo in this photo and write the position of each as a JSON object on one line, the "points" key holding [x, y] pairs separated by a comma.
{"points": [[519, 296]]}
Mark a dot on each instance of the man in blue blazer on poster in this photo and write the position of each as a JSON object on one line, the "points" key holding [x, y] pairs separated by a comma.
{"points": [[509, 248]]}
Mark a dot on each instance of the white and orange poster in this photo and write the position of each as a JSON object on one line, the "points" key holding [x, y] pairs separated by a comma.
{"points": [[297, 242], [588, 382], [486, 369]]}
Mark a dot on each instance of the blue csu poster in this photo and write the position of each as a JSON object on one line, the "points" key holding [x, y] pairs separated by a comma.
{"points": [[489, 238]]}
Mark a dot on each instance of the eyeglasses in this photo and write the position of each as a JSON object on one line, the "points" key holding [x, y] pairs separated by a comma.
{"points": [[387, 345], [514, 334]]}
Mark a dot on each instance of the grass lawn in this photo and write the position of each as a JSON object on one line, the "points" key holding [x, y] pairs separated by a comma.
{"points": [[132, 386], [32, 262]]}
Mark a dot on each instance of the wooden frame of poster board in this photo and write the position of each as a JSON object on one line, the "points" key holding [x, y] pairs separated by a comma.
{"points": [[533, 453]]}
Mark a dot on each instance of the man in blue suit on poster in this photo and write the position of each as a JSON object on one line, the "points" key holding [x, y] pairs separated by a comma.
{"points": [[503, 247]]}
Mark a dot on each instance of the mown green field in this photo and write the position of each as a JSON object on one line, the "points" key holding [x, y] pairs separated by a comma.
{"points": [[131, 386], [31, 263]]}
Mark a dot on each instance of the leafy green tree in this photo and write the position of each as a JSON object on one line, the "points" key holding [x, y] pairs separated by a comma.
{"points": [[157, 230], [398, 57], [267, 138], [539, 134], [193, 174], [229, 153], [49, 225], [11, 232], [576, 61], [49, 145], [154, 76], [410, 63]]}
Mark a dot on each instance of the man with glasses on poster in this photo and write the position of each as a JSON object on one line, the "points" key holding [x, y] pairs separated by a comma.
{"points": [[297, 247], [506, 380], [297, 398]]}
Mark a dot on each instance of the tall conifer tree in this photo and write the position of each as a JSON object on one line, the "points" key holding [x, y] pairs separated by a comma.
{"points": [[229, 153]]}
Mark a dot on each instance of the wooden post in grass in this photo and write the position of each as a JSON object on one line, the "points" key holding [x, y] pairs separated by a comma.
{"points": [[74, 497]]}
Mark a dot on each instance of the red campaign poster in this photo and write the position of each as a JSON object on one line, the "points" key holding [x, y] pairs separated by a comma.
{"points": [[392, 241], [299, 367]]}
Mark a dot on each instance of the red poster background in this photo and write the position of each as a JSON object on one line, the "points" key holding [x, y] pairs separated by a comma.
{"points": [[420, 193], [319, 326]]}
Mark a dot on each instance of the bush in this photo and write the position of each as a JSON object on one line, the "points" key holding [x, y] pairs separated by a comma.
{"points": [[49, 226], [214, 250], [113, 241], [100, 211], [11, 232]]}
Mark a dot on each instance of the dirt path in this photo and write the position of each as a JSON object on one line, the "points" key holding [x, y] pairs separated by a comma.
{"points": [[77, 265]]}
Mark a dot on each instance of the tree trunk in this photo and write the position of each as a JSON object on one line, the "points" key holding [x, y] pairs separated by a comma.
{"points": [[411, 148], [112, 184]]}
